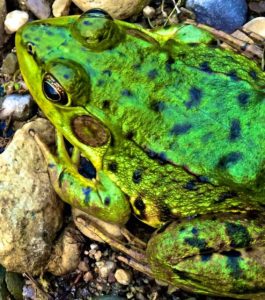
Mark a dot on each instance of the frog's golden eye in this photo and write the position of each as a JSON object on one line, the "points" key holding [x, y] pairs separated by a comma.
{"points": [[30, 48], [97, 13], [53, 90]]}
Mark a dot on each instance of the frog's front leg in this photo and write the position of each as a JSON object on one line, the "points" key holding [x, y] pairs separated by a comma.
{"points": [[224, 257], [99, 197]]}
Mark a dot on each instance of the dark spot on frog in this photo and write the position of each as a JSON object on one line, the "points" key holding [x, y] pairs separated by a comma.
{"points": [[157, 106], [243, 99], [194, 230], [238, 234], [106, 104], [61, 178], [179, 129], [253, 74], [196, 242], [206, 257], [233, 262], [107, 72], [190, 185], [129, 135], [65, 43], [152, 74], [233, 75], [66, 76], [126, 93], [86, 193], [137, 66], [235, 130], [48, 48], [159, 157], [140, 206], [113, 167], [195, 98], [206, 137], [169, 64], [87, 23], [203, 179], [205, 67], [100, 82], [137, 176], [51, 166], [50, 33], [36, 39], [229, 159], [226, 195], [107, 201]]}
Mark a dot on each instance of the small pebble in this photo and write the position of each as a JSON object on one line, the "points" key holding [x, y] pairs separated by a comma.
{"points": [[94, 246], [10, 64], [61, 7], [149, 12], [83, 266], [88, 276], [123, 277], [14, 20], [105, 267], [225, 15], [258, 7], [98, 255], [17, 106]]}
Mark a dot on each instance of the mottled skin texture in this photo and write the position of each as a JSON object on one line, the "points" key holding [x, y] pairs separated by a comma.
{"points": [[171, 123]]}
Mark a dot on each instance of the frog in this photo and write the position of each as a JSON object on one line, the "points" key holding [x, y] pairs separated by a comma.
{"points": [[172, 126]]}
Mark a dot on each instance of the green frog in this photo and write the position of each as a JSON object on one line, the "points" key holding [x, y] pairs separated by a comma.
{"points": [[172, 125]]}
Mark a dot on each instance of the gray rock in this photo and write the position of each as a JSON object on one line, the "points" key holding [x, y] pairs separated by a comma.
{"points": [[10, 64], [225, 15], [40, 8]]}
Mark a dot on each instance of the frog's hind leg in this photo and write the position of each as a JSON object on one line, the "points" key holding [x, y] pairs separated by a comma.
{"points": [[99, 196], [224, 256]]}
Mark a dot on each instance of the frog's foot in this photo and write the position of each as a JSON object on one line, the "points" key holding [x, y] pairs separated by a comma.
{"points": [[222, 257], [98, 196]]}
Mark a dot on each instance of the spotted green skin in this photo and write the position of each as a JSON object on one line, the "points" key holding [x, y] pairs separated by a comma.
{"points": [[183, 126]]}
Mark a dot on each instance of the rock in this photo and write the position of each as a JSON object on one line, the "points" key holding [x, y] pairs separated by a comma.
{"points": [[17, 106], [61, 7], [225, 15], [65, 257], [256, 25], [30, 213], [258, 7], [123, 277], [2, 19], [10, 64], [14, 20], [40, 8], [88, 276], [118, 9], [105, 267]]}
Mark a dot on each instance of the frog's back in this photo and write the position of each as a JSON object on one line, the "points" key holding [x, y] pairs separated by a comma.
{"points": [[198, 107]]}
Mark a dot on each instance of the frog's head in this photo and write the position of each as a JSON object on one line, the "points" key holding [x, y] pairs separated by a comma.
{"points": [[53, 57]]}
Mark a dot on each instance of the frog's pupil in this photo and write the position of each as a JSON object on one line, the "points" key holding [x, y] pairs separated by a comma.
{"points": [[51, 92]]}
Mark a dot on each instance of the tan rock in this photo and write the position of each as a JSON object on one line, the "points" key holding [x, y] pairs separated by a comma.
{"points": [[256, 25], [118, 9], [30, 213]]}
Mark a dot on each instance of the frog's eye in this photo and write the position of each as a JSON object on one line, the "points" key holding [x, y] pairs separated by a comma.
{"points": [[30, 48], [53, 90], [97, 13]]}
